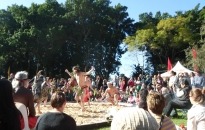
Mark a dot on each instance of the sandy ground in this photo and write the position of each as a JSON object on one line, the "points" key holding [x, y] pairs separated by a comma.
{"points": [[96, 112]]}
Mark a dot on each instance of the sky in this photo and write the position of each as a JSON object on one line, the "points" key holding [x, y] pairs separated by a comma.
{"points": [[135, 8]]}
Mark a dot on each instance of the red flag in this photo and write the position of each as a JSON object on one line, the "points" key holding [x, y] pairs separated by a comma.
{"points": [[194, 57], [194, 53], [169, 65]]}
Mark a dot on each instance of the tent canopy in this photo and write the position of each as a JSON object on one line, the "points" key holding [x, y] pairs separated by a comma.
{"points": [[178, 68]]}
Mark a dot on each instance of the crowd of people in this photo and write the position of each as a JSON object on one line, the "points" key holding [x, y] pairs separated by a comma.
{"points": [[156, 98]]}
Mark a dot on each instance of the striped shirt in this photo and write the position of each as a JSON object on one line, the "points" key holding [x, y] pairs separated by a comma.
{"points": [[167, 123]]}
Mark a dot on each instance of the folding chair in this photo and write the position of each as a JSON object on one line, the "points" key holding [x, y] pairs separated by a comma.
{"points": [[22, 108]]}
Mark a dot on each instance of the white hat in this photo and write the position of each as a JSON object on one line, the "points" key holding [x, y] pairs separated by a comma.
{"points": [[134, 119], [21, 75]]}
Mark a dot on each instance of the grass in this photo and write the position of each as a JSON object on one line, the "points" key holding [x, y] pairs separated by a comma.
{"points": [[180, 120], [177, 120]]}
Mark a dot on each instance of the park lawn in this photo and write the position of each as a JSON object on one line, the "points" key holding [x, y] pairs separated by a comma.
{"points": [[177, 120]]}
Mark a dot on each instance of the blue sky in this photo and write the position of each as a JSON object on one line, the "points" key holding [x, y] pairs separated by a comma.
{"points": [[135, 7]]}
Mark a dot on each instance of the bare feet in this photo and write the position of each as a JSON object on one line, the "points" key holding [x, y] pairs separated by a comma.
{"points": [[39, 112], [82, 110]]}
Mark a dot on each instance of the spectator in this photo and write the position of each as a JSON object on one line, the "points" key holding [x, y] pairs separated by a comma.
{"points": [[154, 80], [116, 81], [24, 95], [173, 83], [192, 78], [196, 115], [156, 104], [166, 95], [9, 115], [131, 83], [182, 99], [11, 77], [198, 81], [56, 119], [148, 80], [131, 98], [159, 87], [187, 77], [133, 119], [143, 99], [104, 87], [160, 80], [122, 84], [98, 82]]}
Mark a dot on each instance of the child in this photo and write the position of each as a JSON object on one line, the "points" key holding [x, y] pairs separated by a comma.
{"points": [[131, 98]]}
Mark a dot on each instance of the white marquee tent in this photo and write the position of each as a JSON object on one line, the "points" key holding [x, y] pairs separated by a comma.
{"points": [[178, 68]]}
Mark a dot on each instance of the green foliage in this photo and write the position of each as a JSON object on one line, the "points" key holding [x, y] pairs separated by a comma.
{"points": [[200, 50], [53, 36], [164, 36]]}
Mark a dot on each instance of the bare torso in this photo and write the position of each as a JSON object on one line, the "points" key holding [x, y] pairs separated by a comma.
{"points": [[25, 96], [112, 91], [80, 78]]}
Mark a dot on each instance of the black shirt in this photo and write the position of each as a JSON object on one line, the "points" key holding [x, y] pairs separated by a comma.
{"points": [[55, 121]]}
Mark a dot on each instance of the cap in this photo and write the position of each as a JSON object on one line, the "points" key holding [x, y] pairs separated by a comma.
{"points": [[21, 75]]}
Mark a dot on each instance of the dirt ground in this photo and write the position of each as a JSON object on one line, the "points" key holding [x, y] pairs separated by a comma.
{"points": [[97, 112]]}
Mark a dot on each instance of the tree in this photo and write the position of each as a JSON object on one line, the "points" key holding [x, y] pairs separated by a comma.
{"points": [[56, 36], [168, 39]]}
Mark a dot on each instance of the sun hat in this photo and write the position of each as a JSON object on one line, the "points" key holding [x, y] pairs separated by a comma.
{"points": [[134, 119]]}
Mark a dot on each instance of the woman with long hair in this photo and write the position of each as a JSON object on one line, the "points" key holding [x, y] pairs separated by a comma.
{"points": [[9, 114], [196, 115]]}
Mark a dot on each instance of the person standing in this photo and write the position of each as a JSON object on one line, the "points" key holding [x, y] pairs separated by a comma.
{"points": [[198, 81], [37, 87], [82, 84], [173, 84]]}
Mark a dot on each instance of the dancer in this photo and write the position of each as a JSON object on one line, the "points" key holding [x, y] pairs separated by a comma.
{"points": [[113, 94], [37, 89], [82, 84], [88, 89]]}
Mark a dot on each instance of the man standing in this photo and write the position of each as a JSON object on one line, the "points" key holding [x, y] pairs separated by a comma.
{"points": [[198, 81], [82, 84]]}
